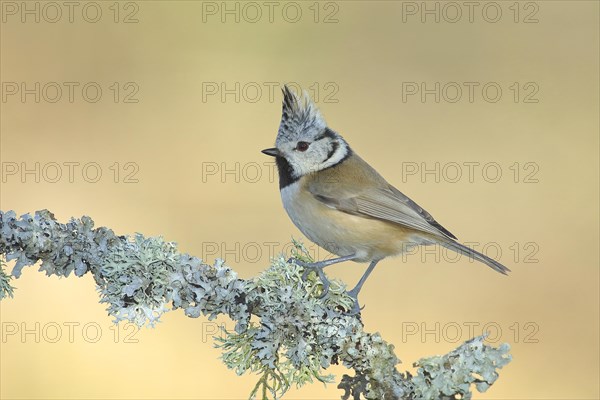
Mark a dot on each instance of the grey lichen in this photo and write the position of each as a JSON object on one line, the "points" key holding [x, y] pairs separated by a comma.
{"points": [[284, 331], [447, 376], [6, 289]]}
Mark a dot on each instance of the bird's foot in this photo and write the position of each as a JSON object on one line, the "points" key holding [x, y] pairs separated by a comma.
{"points": [[316, 267], [356, 308]]}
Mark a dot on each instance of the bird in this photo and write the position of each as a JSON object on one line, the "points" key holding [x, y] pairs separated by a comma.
{"points": [[341, 203]]}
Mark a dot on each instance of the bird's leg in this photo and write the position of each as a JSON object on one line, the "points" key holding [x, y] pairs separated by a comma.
{"points": [[318, 266], [354, 292]]}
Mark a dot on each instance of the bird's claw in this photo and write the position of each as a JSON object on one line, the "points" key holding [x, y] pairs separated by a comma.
{"points": [[324, 281], [293, 260], [356, 308], [318, 269]]}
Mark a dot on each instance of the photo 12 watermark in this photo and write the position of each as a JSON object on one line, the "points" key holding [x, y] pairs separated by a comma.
{"points": [[453, 12], [470, 172], [69, 92], [254, 92], [69, 172], [252, 252], [252, 12], [238, 172], [453, 331], [67, 332], [470, 92], [70, 12], [523, 252]]}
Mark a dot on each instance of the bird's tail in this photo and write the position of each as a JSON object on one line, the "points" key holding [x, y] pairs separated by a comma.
{"points": [[475, 255]]}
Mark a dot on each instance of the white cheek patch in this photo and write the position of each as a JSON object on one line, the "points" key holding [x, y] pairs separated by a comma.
{"points": [[297, 168], [306, 163], [301, 168]]}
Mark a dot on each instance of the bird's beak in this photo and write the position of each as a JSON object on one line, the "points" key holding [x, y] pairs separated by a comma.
{"points": [[273, 152]]}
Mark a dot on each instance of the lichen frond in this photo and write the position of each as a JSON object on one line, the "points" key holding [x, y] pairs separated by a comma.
{"points": [[284, 331]]}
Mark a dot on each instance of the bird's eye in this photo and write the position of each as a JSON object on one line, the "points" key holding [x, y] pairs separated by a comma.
{"points": [[302, 146]]}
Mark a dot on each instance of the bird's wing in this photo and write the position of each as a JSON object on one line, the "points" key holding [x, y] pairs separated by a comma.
{"points": [[383, 202]]}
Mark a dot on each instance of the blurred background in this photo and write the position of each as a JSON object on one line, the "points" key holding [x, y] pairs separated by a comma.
{"points": [[149, 117]]}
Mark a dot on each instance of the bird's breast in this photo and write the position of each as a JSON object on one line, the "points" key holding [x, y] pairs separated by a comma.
{"points": [[339, 232]]}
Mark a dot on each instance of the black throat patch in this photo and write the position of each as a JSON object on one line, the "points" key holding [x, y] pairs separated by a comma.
{"points": [[286, 172]]}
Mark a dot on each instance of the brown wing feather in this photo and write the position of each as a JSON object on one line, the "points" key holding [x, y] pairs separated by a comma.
{"points": [[356, 188]]}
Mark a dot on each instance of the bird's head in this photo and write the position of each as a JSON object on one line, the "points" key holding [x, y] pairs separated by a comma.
{"points": [[304, 143]]}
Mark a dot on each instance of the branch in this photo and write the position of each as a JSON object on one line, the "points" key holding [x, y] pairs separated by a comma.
{"points": [[297, 335]]}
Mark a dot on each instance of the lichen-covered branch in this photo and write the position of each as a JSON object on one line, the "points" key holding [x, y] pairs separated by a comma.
{"points": [[293, 337]]}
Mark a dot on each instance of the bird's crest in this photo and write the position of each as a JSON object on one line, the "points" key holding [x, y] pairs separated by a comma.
{"points": [[298, 115]]}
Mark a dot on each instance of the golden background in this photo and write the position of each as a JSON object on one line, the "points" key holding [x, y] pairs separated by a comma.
{"points": [[357, 55]]}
